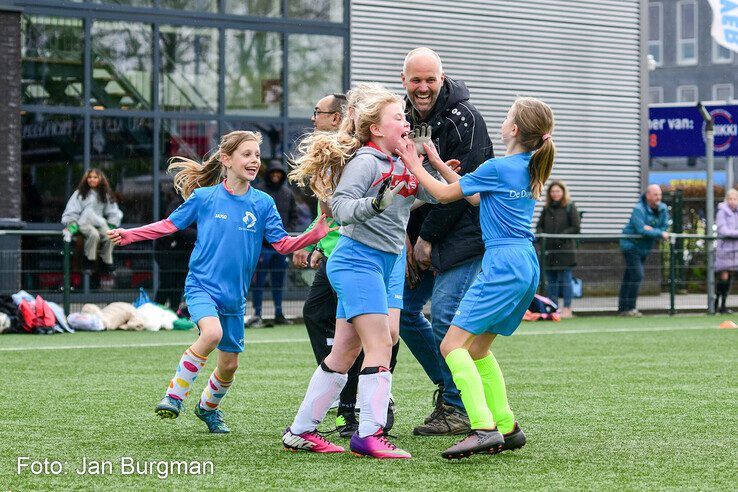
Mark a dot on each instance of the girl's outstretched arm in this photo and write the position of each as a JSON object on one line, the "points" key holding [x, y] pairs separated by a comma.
{"points": [[447, 170], [123, 237], [289, 244], [442, 192]]}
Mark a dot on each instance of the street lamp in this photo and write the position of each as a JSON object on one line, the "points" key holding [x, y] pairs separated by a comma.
{"points": [[710, 205]]}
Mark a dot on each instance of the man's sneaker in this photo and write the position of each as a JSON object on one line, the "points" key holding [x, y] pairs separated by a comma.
{"points": [[346, 424], [390, 416], [478, 441], [281, 320], [446, 421], [213, 419], [515, 439], [309, 441], [437, 404], [377, 445], [168, 408], [254, 322]]}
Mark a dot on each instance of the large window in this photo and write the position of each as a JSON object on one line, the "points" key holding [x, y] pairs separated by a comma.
{"points": [[188, 77], [656, 32], [52, 155], [687, 32], [316, 69], [52, 50], [253, 76], [121, 65], [124, 85], [122, 149]]}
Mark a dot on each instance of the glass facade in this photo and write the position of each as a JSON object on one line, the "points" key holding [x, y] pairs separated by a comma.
{"points": [[124, 85]]}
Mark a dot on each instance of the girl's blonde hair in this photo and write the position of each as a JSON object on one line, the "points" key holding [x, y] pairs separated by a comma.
{"points": [[189, 174], [564, 199], [535, 121], [324, 154]]}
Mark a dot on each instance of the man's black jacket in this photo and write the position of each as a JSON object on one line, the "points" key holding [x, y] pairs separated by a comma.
{"points": [[458, 132]]}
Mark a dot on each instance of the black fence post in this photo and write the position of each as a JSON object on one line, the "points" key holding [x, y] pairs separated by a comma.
{"points": [[543, 265], [672, 274], [67, 254]]}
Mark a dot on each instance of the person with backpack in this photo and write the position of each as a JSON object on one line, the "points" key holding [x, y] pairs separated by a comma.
{"points": [[559, 216]]}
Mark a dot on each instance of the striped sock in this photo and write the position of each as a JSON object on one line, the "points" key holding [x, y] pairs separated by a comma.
{"points": [[214, 391], [187, 371]]}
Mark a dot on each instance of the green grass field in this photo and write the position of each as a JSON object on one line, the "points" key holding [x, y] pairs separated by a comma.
{"points": [[607, 403]]}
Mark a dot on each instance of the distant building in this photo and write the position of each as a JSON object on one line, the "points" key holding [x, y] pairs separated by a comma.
{"points": [[689, 67]]}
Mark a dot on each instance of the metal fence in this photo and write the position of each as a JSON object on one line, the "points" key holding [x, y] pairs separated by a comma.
{"points": [[49, 263]]}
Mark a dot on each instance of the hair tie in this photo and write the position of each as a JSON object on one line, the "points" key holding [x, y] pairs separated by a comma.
{"points": [[546, 136]]}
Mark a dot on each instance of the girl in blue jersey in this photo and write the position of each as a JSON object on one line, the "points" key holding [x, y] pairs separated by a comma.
{"points": [[494, 305], [232, 220]]}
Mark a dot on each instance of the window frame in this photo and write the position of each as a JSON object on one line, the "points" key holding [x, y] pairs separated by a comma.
{"points": [[684, 87], [717, 87], [681, 42], [716, 59], [660, 41]]}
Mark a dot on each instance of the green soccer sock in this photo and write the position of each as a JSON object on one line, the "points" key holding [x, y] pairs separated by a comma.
{"points": [[469, 383], [495, 393]]}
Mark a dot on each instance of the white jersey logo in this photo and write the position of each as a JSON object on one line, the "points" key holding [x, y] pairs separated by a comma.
{"points": [[250, 220]]}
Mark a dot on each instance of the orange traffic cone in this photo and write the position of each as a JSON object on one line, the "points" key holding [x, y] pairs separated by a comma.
{"points": [[728, 324]]}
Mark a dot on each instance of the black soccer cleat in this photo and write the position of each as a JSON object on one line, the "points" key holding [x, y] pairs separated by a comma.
{"points": [[514, 439]]}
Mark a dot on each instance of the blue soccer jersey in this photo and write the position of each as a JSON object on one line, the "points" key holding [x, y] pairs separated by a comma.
{"points": [[230, 230], [506, 200]]}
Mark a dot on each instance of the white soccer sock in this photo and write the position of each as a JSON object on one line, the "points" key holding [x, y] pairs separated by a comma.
{"points": [[374, 393], [323, 389]]}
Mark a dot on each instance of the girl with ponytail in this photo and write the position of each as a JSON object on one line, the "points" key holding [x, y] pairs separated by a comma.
{"points": [[507, 188], [233, 219]]}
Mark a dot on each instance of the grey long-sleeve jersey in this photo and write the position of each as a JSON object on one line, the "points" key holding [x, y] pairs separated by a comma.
{"points": [[352, 201]]}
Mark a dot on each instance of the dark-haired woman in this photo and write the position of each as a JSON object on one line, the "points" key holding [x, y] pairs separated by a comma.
{"points": [[89, 210], [559, 216]]}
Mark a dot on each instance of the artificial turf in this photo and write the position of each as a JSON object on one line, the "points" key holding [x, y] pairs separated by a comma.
{"points": [[607, 403]]}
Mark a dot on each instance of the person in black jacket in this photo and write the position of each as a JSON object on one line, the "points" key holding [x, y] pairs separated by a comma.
{"points": [[444, 246], [559, 216], [271, 262]]}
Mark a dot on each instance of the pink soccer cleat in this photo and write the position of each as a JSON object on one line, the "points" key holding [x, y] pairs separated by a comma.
{"points": [[376, 446], [309, 441]]}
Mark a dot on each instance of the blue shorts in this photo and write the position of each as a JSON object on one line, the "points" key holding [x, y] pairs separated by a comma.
{"points": [[503, 290], [201, 304], [366, 280]]}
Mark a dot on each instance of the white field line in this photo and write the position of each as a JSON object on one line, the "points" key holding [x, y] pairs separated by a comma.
{"points": [[305, 340]]}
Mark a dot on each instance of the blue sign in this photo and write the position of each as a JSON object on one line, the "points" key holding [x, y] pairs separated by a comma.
{"points": [[680, 131]]}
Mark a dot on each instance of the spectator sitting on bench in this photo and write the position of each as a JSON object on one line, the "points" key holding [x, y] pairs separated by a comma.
{"points": [[91, 211]]}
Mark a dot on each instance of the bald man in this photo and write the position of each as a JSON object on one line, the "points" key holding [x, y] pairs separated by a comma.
{"points": [[650, 218], [445, 245]]}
